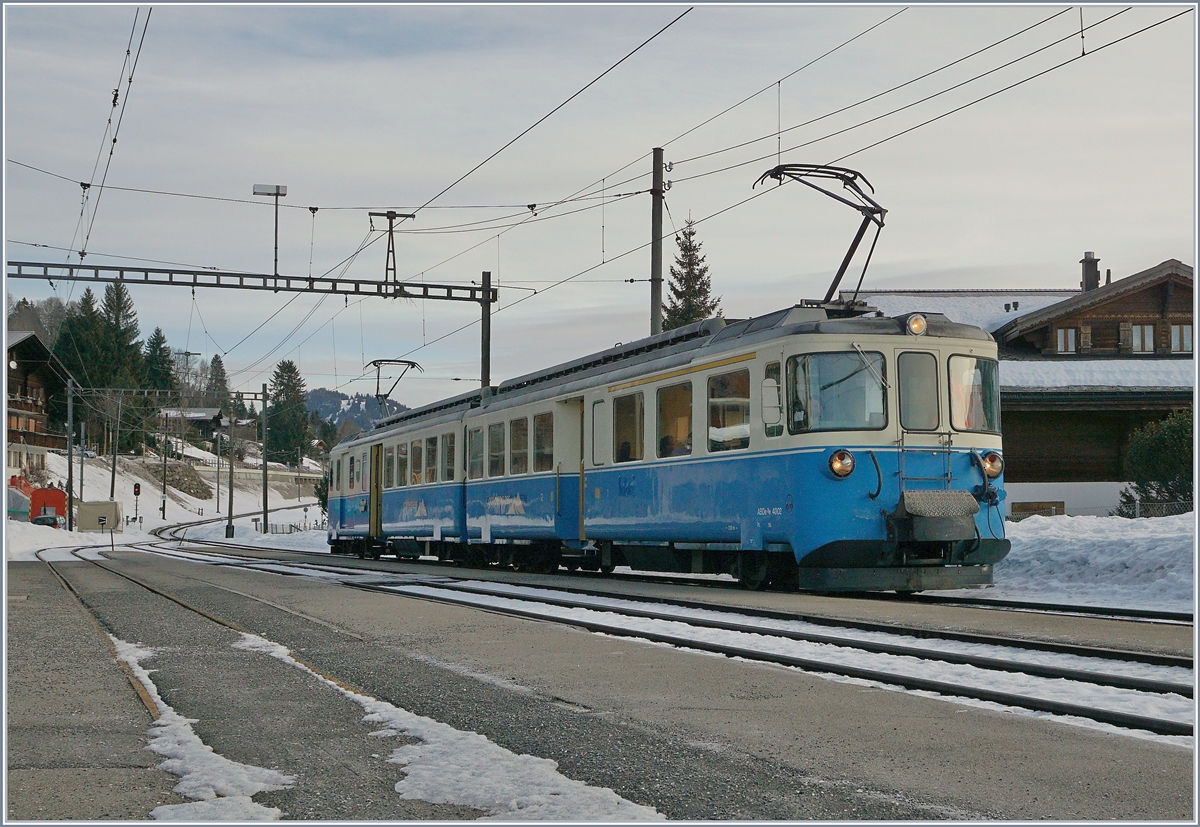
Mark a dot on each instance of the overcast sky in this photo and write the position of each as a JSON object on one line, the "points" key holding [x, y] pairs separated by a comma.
{"points": [[384, 106]]}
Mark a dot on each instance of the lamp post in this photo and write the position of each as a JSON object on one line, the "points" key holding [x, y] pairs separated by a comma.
{"points": [[273, 190]]}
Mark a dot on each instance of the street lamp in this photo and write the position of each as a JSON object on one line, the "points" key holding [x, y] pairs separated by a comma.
{"points": [[276, 191]]}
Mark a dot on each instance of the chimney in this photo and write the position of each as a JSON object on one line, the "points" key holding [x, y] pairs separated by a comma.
{"points": [[1091, 272], [1016, 305], [1108, 276], [1007, 307]]}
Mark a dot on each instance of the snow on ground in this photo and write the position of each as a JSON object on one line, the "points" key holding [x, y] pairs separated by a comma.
{"points": [[1100, 561], [1124, 373], [450, 766], [222, 788], [21, 539]]}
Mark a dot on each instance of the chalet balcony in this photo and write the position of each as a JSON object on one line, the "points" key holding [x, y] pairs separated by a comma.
{"points": [[26, 404], [37, 439]]}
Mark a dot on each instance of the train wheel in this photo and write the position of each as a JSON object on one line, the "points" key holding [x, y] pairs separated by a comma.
{"points": [[360, 550], [607, 569], [752, 570]]}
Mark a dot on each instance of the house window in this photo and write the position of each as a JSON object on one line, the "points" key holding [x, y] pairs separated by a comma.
{"points": [[1143, 338], [1066, 340], [543, 442], [1181, 338]]}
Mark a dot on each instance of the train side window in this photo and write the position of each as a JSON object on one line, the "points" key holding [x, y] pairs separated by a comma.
{"points": [[350, 476], [337, 475], [543, 442], [675, 420], [918, 391], [836, 391], [402, 464], [518, 446], [629, 425], [448, 457], [389, 467], [496, 449], [729, 411], [772, 401], [974, 394], [414, 456], [431, 459], [364, 478], [475, 454]]}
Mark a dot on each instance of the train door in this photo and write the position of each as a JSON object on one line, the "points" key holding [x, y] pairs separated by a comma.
{"points": [[924, 445], [375, 501], [568, 469]]}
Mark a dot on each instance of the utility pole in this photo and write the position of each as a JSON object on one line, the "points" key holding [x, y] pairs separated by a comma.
{"points": [[229, 523], [116, 443], [70, 455], [656, 211], [163, 449], [217, 443], [485, 345], [275, 190], [82, 448], [264, 455]]}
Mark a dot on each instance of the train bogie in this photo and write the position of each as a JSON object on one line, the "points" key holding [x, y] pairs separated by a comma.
{"points": [[829, 454]]}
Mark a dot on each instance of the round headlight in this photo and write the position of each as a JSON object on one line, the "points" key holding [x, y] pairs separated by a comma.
{"points": [[917, 324], [841, 462], [993, 464]]}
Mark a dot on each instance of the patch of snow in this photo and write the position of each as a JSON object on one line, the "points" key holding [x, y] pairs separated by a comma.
{"points": [[986, 311], [1112, 373], [455, 767], [204, 775]]}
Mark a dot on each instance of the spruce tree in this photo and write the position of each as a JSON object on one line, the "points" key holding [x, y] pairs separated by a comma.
{"points": [[287, 415], [156, 363], [691, 298], [216, 391], [80, 343], [122, 350]]}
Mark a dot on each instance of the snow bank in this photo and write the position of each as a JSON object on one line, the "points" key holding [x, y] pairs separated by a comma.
{"points": [[1100, 561], [455, 767], [1112, 373], [223, 787]]}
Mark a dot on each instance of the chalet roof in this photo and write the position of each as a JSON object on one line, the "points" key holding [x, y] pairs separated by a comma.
{"points": [[15, 337], [1130, 284], [989, 309]]}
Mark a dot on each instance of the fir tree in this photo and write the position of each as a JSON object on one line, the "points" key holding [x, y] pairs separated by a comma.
{"points": [[287, 415], [119, 342], [80, 344], [216, 391], [691, 298], [156, 362]]}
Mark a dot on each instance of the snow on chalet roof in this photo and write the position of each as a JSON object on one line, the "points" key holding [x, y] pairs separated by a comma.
{"points": [[1106, 373], [983, 308]]}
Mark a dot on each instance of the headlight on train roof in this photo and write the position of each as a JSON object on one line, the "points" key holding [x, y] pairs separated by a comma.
{"points": [[993, 464], [917, 324], [841, 463]]}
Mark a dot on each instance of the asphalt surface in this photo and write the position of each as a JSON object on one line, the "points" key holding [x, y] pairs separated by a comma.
{"points": [[692, 735]]}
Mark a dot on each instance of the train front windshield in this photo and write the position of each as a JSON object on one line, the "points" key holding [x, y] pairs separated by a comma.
{"points": [[842, 391]]}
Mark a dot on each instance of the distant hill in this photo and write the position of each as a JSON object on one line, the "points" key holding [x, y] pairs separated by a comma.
{"points": [[337, 407]]}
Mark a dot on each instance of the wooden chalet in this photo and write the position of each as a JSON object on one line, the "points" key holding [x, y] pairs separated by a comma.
{"points": [[32, 380]]}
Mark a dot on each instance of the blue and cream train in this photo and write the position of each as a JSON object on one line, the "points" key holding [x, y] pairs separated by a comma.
{"points": [[802, 448]]}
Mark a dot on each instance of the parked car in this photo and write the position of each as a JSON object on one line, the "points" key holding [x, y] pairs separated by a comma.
{"points": [[52, 520]]}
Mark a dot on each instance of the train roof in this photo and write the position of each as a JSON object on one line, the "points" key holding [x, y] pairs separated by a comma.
{"points": [[807, 317]]}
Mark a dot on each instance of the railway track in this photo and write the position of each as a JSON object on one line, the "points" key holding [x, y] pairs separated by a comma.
{"points": [[1142, 691], [1106, 612]]}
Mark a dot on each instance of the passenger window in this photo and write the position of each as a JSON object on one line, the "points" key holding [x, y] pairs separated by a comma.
{"points": [[447, 457], [350, 476], [543, 442], [389, 467], [402, 464], [337, 475], [362, 472], [415, 460], [431, 459], [496, 449], [475, 454], [628, 427], [918, 391], [772, 401], [675, 420], [729, 411], [518, 446]]}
